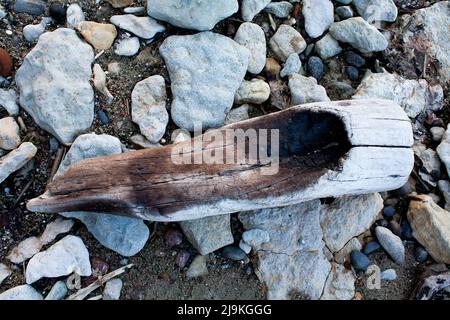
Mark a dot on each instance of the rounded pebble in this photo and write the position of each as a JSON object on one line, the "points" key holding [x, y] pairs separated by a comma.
{"points": [[233, 253], [389, 275], [6, 63], [370, 247], [352, 73], [182, 258], [354, 59], [406, 230], [315, 67], [420, 254], [388, 212], [395, 227], [173, 237], [102, 117], [360, 261]]}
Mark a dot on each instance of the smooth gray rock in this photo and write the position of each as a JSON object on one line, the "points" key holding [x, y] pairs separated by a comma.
{"points": [[344, 1], [199, 15], [344, 12], [16, 159], [412, 95], [293, 259], [359, 34], [286, 41], [127, 46], [252, 37], [208, 234], [63, 258], [54, 85], [58, 291], [143, 27], [9, 134], [33, 7], [431, 165], [75, 15], [148, 107], [8, 100], [250, 8], [203, 95], [279, 9], [23, 292], [443, 150], [198, 267], [388, 275], [327, 47], [348, 217], [318, 15], [305, 89], [391, 243], [437, 133], [292, 65], [376, 10], [126, 236], [112, 289]]}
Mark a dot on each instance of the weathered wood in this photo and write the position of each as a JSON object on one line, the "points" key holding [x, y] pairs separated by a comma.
{"points": [[327, 149]]}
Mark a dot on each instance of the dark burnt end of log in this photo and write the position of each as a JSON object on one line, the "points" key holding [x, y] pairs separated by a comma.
{"points": [[311, 143]]}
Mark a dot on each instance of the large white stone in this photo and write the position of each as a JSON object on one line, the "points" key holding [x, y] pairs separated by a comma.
{"points": [[412, 95], [205, 69], [148, 107], [54, 84], [376, 10], [293, 259], [143, 27], [63, 258], [199, 15]]}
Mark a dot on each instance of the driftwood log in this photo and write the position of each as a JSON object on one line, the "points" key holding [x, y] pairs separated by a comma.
{"points": [[327, 149]]}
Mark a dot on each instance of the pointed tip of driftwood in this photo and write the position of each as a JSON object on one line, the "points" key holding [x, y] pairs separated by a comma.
{"points": [[39, 204]]}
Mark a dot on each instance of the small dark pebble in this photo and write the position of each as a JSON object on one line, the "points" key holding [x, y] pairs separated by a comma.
{"points": [[383, 223], [354, 59], [344, 12], [406, 230], [58, 12], [54, 145], [102, 117], [182, 258], [388, 212], [173, 237], [6, 63], [360, 261], [420, 254], [370, 247], [309, 49], [233, 253], [395, 227], [315, 67], [249, 269], [352, 73]]}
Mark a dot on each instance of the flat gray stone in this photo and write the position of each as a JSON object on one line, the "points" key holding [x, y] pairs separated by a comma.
{"points": [[58, 291], [16, 159], [359, 34], [197, 267], [8, 100], [126, 236], [33, 7], [23, 292], [376, 10], [327, 47], [75, 15], [148, 107], [54, 84], [112, 289], [279, 9], [63, 258], [208, 234], [127, 46], [199, 15], [391, 243], [143, 27], [203, 95], [292, 65]]}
